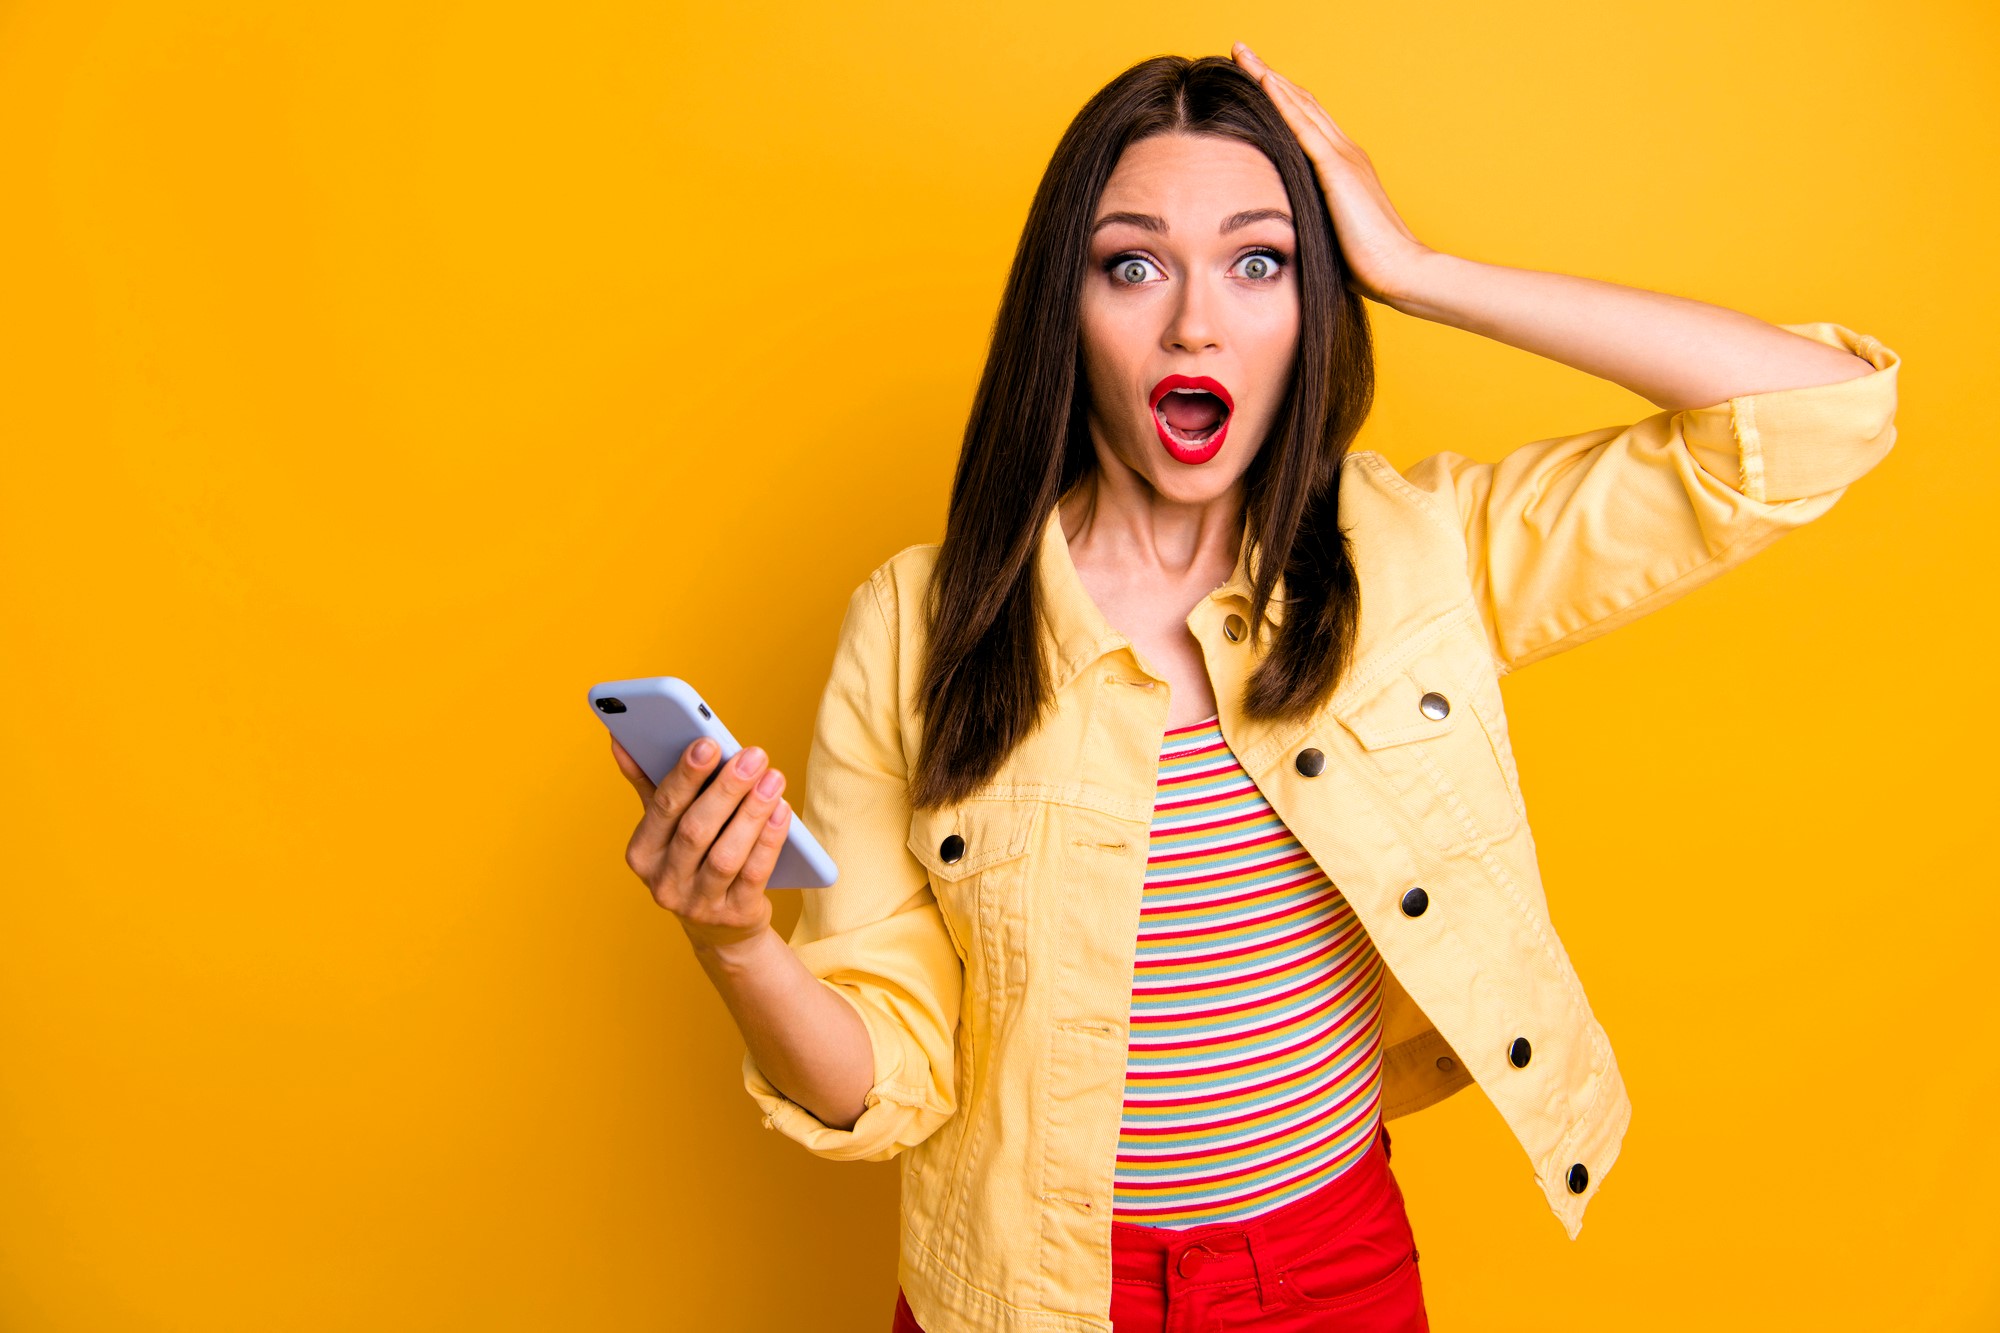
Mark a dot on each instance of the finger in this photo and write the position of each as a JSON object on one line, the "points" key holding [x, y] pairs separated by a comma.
{"points": [[1293, 110], [1288, 103], [732, 846], [669, 802], [1257, 67], [763, 858], [1252, 62], [633, 773], [1285, 92], [701, 821], [1319, 114], [1312, 134]]}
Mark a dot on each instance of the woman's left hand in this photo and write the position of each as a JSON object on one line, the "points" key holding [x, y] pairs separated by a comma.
{"points": [[1378, 248]]}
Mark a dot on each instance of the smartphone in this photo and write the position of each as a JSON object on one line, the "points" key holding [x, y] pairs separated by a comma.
{"points": [[656, 718]]}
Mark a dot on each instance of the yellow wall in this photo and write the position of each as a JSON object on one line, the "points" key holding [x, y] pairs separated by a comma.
{"points": [[376, 377]]}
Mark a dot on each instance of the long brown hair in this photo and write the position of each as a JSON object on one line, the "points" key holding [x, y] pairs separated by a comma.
{"points": [[985, 682]]}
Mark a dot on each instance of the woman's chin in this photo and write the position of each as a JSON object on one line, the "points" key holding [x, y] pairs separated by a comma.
{"points": [[1165, 470], [1189, 484]]}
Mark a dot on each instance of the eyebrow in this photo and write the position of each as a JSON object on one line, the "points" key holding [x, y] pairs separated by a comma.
{"points": [[1153, 222]]}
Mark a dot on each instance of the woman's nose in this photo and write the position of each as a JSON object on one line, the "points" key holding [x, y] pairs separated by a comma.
{"points": [[1191, 326]]}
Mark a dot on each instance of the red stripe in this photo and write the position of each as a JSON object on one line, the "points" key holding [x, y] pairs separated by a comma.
{"points": [[1306, 1021], [1371, 1032], [1308, 979], [1209, 1041], [1301, 963], [1261, 1057], [1223, 876], [1303, 1150], [1276, 1132], [1200, 928], [1305, 975], [1253, 892], [1280, 835], [1362, 1088], [1257, 1001], [1249, 812], [1262, 946]]}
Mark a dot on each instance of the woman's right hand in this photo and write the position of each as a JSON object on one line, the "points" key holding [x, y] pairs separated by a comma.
{"points": [[707, 858]]}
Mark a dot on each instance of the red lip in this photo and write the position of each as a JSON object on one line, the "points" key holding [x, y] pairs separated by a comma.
{"points": [[1213, 444]]}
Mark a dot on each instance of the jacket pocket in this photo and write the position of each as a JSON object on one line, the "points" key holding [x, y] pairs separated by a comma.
{"points": [[977, 857], [958, 845], [1436, 730]]}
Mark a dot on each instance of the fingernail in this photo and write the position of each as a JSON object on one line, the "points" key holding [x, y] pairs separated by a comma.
{"points": [[704, 750], [749, 761], [770, 783]]}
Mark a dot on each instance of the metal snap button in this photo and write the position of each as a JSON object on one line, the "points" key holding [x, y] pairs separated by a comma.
{"points": [[1234, 628], [1311, 762], [1191, 1261], [1517, 1054], [1578, 1178], [1415, 901], [951, 849], [1434, 706], [1446, 1063]]}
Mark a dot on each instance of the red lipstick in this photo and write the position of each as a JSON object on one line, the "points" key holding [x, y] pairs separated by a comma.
{"points": [[1200, 446]]}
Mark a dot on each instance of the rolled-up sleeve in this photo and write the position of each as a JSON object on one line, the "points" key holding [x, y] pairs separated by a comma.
{"points": [[1570, 537], [875, 937]]}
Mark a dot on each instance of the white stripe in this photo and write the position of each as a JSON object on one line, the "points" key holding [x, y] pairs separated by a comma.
{"points": [[1221, 1033], [1313, 1112], [1245, 1077], [1341, 1071]]}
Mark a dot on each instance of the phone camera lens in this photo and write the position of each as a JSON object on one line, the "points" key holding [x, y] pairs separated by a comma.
{"points": [[611, 705]]}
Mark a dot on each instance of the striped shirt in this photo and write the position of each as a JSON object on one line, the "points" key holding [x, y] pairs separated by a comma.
{"points": [[1253, 1073]]}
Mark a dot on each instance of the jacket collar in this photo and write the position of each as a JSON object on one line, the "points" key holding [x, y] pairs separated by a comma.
{"points": [[1080, 631]]}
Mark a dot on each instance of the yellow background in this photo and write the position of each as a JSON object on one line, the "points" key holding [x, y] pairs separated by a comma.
{"points": [[376, 377]]}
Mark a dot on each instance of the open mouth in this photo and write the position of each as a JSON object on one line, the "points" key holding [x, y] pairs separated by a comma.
{"points": [[1191, 414]]}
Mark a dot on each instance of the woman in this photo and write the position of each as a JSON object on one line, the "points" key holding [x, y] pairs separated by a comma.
{"points": [[1181, 840]]}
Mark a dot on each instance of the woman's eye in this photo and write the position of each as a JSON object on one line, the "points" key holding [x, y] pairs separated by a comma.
{"points": [[1130, 269], [1260, 267]]}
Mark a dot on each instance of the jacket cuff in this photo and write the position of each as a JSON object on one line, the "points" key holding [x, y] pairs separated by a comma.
{"points": [[1794, 443], [888, 1108]]}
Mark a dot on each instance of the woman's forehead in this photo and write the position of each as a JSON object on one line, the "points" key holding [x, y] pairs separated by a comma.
{"points": [[1196, 179]]}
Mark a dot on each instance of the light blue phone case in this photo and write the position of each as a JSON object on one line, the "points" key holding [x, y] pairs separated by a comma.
{"points": [[656, 718]]}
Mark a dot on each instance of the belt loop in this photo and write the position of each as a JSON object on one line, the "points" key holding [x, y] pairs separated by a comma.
{"points": [[1266, 1264]]}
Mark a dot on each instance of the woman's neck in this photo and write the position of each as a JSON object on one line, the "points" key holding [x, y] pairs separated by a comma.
{"points": [[1146, 566], [1130, 535]]}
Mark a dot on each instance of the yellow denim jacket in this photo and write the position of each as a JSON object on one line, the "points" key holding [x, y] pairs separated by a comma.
{"points": [[995, 978]]}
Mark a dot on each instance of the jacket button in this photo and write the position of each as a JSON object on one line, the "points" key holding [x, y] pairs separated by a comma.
{"points": [[1191, 1261], [1446, 1063], [1434, 706], [1517, 1054], [951, 849], [1578, 1178], [1415, 901], [1311, 762], [1233, 629]]}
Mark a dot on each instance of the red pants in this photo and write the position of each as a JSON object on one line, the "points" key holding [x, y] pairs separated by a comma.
{"points": [[1342, 1258]]}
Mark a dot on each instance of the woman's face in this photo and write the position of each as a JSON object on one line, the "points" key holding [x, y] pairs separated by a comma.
{"points": [[1191, 287]]}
